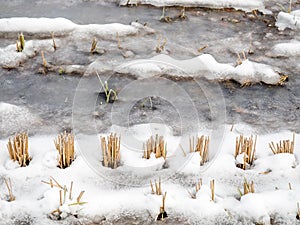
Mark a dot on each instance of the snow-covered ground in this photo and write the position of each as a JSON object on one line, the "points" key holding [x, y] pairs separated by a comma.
{"points": [[107, 195], [203, 65]]}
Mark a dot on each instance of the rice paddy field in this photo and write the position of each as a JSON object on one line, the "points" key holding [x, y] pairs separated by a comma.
{"points": [[149, 112]]}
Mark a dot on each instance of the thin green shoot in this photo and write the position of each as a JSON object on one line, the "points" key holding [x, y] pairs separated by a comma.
{"points": [[240, 192], [150, 100], [77, 203], [106, 89]]}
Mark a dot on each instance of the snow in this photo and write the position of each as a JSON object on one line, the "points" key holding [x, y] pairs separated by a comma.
{"points": [[247, 6], [289, 49], [63, 27], [43, 27], [105, 30], [203, 65], [109, 198], [288, 20], [35, 25], [10, 58], [14, 117]]}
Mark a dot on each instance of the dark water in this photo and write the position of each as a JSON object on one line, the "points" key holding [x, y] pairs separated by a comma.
{"points": [[225, 32]]}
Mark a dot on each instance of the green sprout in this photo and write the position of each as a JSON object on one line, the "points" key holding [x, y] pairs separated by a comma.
{"points": [[144, 102], [108, 91], [77, 203], [61, 71], [248, 188]]}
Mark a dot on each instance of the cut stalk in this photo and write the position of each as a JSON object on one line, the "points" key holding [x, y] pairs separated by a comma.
{"points": [[202, 144], [71, 188], [18, 149], [197, 188], [157, 185], [157, 146], [53, 41], [111, 151], [248, 187], [94, 46], [118, 40], [162, 213], [283, 146], [60, 197], [64, 144], [57, 184], [246, 146], [9, 188], [80, 196], [212, 188]]}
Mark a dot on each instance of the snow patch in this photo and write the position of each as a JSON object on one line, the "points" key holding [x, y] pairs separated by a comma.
{"points": [[202, 66], [247, 6], [290, 49], [37, 25], [63, 27], [10, 58], [288, 20]]}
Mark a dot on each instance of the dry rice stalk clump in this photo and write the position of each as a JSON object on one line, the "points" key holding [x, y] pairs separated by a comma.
{"points": [[248, 147], [111, 151], [157, 190], [18, 149], [202, 144], [197, 188], [248, 188], [64, 144], [284, 146], [155, 145]]}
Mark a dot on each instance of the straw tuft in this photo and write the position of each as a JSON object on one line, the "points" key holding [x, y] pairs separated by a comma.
{"points": [[248, 147], [284, 146], [202, 144], [155, 145], [111, 151], [18, 149], [64, 144]]}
